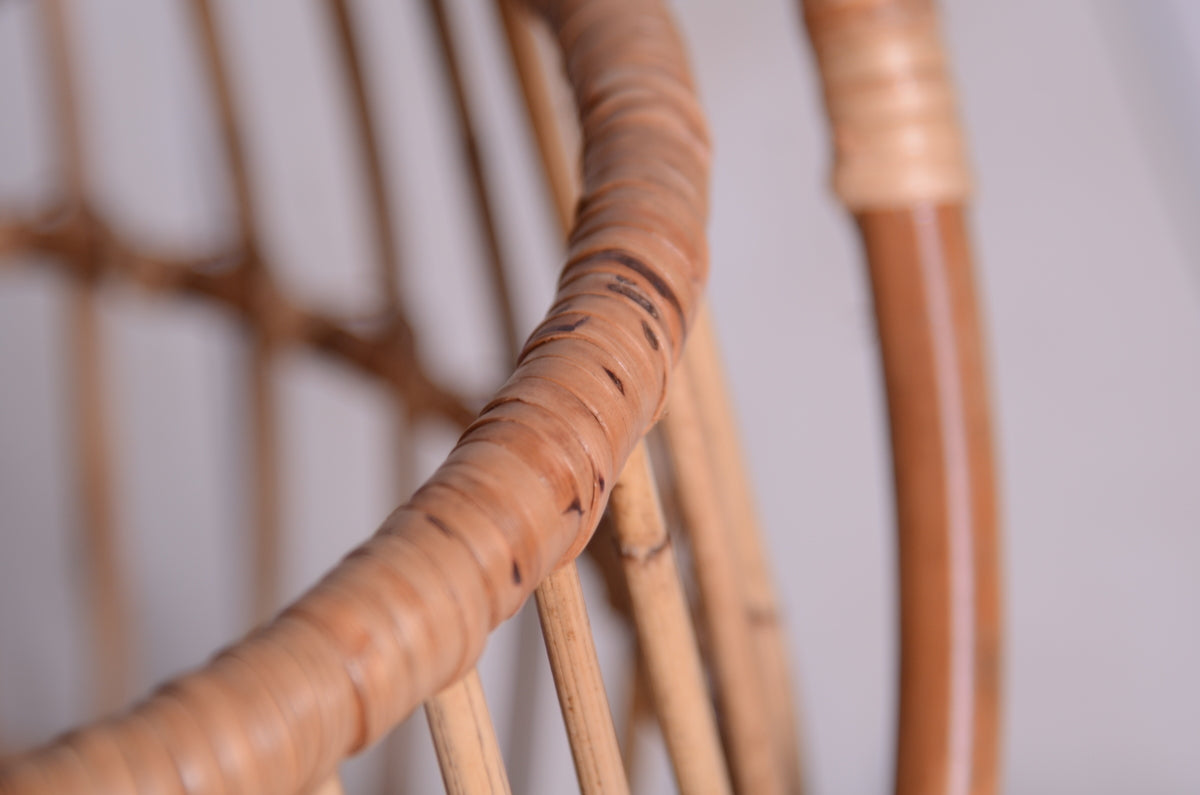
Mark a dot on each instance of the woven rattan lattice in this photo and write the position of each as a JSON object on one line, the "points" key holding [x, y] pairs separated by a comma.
{"points": [[562, 445]]}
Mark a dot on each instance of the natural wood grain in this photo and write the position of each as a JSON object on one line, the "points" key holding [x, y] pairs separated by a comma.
{"points": [[725, 624], [900, 167], [638, 712], [666, 641], [558, 156], [950, 622], [465, 740], [576, 669], [716, 417]]}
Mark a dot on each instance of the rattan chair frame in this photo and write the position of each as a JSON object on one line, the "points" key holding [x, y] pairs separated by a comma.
{"points": [[433, 565], [404, 617]]}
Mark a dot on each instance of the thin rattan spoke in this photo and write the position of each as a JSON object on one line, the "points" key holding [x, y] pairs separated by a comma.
{"points": [[373, 352], [332, 786], [666, 641], [264, 445], [732, 479], [229, 126], [558, 161], [264, 454], [484, 210], [104, 602], [69, 145], [576, 669], [379, 200], [637, 714], [104, 584], [371, 154], [465, 740], [741, 696]]}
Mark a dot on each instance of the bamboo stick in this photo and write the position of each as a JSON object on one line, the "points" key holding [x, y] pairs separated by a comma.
{"points": [[666, 641], [484, 210], [741, 696], [576, 669], [108, 621], [559, 159], [638, 712], [465, 740], [733, 482]]}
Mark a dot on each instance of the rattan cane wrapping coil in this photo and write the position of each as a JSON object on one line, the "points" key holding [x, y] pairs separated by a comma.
{"points": [[409, 611], [890, 102]]}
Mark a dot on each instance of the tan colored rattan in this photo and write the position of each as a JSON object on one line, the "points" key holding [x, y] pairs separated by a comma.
{"points": [[407, 613], [405, 616], [890, 103]]}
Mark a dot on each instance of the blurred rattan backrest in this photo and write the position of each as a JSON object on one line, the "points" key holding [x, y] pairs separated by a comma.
{"points": [[403, 618]]}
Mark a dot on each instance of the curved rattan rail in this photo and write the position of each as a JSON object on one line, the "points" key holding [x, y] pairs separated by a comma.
{"points": [[900, 167], [408, 612]]}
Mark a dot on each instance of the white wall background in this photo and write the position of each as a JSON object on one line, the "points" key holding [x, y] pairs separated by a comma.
{"points": [[1082, 117]]}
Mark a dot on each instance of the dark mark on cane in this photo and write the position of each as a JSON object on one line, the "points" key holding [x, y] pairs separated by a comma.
{"points": [[613, 377], [642, 269], [438, 523], [656, 281], [650, 337], [634, 295], [562, 327]]}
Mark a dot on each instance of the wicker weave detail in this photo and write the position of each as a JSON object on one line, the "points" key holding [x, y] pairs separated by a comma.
{"points": [[409, 611]]}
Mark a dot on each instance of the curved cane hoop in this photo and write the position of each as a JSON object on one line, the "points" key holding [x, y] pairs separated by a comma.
{"points": [[408, 612], [900, 167]]}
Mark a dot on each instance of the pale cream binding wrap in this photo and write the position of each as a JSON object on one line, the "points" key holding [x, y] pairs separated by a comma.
{"points": [[890, 102]]}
